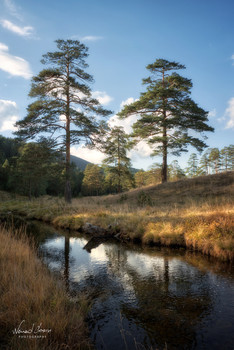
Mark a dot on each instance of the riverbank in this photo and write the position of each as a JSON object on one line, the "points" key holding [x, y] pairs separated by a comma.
{"points": [[194, 213], [35, 312]]}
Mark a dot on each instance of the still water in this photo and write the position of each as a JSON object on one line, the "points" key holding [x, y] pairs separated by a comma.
{"points": [[145, 298]]}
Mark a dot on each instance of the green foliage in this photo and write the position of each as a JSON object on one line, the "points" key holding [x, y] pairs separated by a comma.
{"points": [[93, 181], [167, 113]]}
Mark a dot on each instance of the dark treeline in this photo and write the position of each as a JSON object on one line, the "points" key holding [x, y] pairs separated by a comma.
{"points": [[35, 169]]}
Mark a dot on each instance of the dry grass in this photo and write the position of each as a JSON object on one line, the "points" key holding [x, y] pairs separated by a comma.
{"points": [[29, 292], [197, 213]]}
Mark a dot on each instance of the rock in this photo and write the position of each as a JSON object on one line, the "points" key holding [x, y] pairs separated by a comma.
{"points": [[93, 229]]}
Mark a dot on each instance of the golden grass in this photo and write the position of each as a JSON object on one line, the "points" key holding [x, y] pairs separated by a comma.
{"points": [[29, 292], [197, 213]]}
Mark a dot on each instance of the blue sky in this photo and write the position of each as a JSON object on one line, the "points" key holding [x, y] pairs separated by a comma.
{"points": [[123, 37]]}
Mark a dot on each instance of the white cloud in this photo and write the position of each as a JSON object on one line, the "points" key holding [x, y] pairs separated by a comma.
{"points": [[26, 31], [91, 155], [126, 123], [229, 113], [12, 9], [212, 113], [91, 38], [102, 97], [142, 149], [127, 102], [8, 115], [14, 65]]}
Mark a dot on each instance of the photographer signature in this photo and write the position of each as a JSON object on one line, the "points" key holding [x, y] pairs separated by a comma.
{"points": [[35, 329]]}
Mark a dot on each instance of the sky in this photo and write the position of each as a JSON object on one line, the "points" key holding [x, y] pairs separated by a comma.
{"points": [[123, 37]]}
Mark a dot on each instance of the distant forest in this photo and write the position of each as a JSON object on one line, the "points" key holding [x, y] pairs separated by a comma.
{"points": [[34, 169]]}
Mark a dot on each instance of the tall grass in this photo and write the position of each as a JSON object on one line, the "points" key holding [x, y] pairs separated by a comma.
{"points": [[29, 294]]}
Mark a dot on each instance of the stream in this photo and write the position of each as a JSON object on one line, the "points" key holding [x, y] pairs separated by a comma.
{"points": [[144, 298]]}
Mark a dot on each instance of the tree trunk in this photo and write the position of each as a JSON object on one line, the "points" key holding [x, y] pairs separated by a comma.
{"points": [[164, 164], [119, 172], [67, 183], [68, 141]]}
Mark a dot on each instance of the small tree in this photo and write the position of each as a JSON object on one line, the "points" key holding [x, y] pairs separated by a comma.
{"points": [[167, 113], [64, 106], [115, 148], [93, 181], [175, 171], [140, 178]]}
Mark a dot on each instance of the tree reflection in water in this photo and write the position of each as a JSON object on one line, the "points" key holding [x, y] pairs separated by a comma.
{"points": [[151, 298]]}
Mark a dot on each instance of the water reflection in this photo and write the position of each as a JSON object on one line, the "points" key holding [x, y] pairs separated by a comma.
{"points": [[147, 299]]}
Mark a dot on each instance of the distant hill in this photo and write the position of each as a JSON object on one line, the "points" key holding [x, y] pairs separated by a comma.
{"points": [[79, 162]]}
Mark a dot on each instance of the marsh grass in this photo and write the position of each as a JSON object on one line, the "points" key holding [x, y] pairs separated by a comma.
{"points": [[29, 292], [196, 213]]}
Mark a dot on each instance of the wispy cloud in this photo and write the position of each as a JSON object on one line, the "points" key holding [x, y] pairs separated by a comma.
{"points": [[9, 115], [12, 9], [14, 65], [26, 31], [91, 38], [87, 37], [229, 114]]}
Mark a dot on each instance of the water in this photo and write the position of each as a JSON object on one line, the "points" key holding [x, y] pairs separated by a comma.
{"points": [[146, 298]]}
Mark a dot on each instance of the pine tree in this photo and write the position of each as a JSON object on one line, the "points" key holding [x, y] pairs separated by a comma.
{"points": [[167, 113], [115, 148], [64, 106], [204, 164], [32, 169], [192, 169]]}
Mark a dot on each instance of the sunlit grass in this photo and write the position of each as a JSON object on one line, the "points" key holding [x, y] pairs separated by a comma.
{"points": [[197, 213], [29, 292]]}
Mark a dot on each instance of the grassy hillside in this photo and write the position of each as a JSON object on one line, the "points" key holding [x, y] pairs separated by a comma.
{"points": [[195, 213]]}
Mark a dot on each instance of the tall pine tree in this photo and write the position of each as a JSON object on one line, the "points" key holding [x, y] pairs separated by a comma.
{"points": [[167, 113], [64, 107]]}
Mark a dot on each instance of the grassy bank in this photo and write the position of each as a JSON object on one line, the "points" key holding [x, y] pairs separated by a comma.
{"points": [[29, 294], [196, 213]]}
